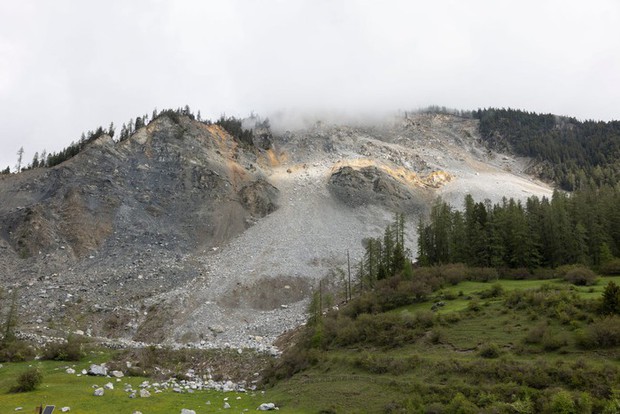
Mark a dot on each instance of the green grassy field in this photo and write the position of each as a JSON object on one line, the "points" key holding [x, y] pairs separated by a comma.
{"points": [[62, 389]]}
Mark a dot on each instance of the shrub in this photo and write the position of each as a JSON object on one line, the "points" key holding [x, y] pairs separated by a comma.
{"points": [[580, 276], [551, 342], [71, 350], [562, 403], [483, 274], [15, 351], [611, 267], [425, 319], [583, 403], [520, 273], [490, 350], [604, 333], [461, 405], [28, 381], [474, 305], [495, 291], [536, 334], [453, 273]]}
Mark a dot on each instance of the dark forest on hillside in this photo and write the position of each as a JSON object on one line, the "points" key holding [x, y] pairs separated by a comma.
{"points": [[574, 153]]}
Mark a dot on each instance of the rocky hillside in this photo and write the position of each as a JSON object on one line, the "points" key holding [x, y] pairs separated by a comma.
{"points": [[183, 234]]}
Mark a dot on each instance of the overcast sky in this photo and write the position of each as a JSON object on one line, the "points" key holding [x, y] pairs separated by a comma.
{"points": [[70, 66]]}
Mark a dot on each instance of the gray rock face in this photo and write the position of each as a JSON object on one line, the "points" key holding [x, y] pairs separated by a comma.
{"points": [[373, 186], [208, 232]]}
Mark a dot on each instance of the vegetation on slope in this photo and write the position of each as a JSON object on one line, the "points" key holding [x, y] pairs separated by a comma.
{"points": [[231, 124], [575, 154], [461, 339], [503, 347], [583, 227]]}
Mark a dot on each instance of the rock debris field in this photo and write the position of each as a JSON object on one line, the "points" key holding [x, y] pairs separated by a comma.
{"points": [[182, 236]]}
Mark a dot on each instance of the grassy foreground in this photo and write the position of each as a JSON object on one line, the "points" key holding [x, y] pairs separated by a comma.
{"points": [[493, 347], [62, 389], [503, 347]]}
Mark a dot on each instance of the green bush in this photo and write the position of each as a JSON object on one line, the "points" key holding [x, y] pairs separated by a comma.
{"points": [[490, 350], [604, 333], [520, 273], [474, 305], [461, 405], [15, 351], [483, 274], [580, 276], [611, 268], [562, 403], [551, 342], [536, 334], [71, 350], [496, 290], [28, 381]]}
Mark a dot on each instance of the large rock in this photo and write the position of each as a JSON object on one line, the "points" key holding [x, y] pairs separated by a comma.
{"points": [[99, 392], [371, 185], [267, 407], [259, 198], [98, 370], [144, 393], [186, 411]]}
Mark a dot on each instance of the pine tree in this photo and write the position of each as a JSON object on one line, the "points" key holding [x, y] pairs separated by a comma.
{"points": [[611, 299]]}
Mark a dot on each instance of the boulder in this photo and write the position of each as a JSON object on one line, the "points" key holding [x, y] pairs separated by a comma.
{"points": [[65, 409], [267, 407], [99, 370], [186, 411], [117, 374], [70, 371], [98, 392], [109, 386], [144, 393], [226, 406]]}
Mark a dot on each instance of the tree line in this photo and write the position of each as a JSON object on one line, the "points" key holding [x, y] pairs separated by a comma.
{"points": [[232, 125], [385, 256], [580, 228], [574, 154]]}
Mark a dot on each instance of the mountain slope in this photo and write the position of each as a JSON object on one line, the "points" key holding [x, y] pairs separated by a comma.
{"points": [[181, 233]]}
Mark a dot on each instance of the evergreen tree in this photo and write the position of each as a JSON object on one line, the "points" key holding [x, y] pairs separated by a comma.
{"points": [[611, 299]]}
